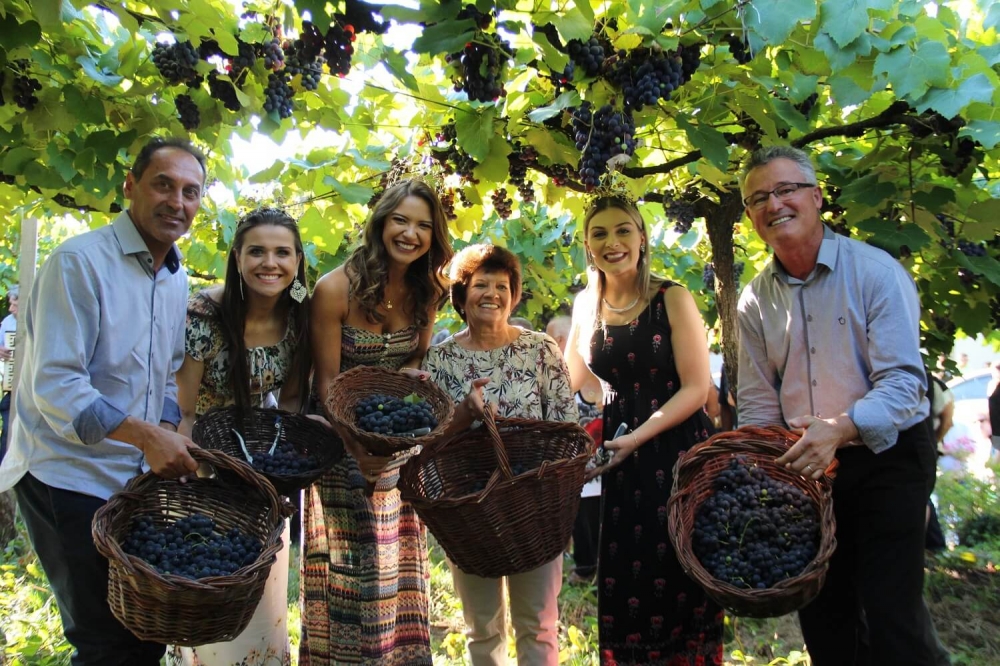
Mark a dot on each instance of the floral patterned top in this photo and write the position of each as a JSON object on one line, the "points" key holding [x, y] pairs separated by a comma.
{"points": [[528, 377], [203, 341]]}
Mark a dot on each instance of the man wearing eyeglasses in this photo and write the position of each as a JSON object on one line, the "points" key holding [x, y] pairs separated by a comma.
{"points": [[830, 347]]}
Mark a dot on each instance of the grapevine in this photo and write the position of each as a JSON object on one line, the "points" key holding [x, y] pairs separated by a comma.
{"points": [[339, 48], [502, 203], [480, 67], [605, 138], [278, 95], [588, 56], [176, 62], [188, 112]]}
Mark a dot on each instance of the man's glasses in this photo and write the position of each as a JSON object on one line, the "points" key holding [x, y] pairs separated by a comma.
{"points": [[783, 192]]}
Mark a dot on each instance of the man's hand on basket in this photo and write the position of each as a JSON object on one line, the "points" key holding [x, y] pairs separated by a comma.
{"points": [[813, 453], [165, 451]]}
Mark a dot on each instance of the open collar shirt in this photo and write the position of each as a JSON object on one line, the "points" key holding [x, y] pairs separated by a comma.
{"points": [[103, 339], [845, 340]]}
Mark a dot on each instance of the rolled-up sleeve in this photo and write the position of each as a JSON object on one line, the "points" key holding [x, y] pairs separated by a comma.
{"points": [[757, 395], [897, 370], [66, 320], [171, 412]]}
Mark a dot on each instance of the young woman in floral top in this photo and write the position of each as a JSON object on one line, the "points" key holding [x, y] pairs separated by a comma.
{"points": [[245, 339], [520, 373]]}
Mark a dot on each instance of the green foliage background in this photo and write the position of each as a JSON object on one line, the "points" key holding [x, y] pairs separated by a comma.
{"points": [[881, 70]]}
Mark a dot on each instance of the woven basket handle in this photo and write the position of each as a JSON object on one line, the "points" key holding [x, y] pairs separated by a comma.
{"points": [[498, 448]]}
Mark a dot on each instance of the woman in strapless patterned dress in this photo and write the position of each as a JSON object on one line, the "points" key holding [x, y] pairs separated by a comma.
{"points": [[364, 557]]}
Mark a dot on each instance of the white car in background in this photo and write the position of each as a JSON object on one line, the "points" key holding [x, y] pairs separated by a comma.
{"points": [[972, 415], [971, 400]]}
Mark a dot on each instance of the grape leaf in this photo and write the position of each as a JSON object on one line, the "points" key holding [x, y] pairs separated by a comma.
{"points": [[445, 37], [910, 72], [475, 131], [949, 102], [774, 21]]}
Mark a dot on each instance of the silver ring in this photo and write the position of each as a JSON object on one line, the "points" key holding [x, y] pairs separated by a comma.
{"points": [[809, 467]]}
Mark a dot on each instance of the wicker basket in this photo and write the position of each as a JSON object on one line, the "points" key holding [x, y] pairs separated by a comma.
{"points": [[694, 476], [349, 388], [258, 428], [516, 522], [177, 610]]}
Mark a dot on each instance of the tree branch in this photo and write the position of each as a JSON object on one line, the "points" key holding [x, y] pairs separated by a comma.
{"points": [[666, 167], [894, 115], [141, 18]]}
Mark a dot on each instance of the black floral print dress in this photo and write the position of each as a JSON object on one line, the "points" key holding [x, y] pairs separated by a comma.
{"points": [[650, 612]]}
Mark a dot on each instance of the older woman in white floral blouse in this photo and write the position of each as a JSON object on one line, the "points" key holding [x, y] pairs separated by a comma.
{"points": [[521, 374]]}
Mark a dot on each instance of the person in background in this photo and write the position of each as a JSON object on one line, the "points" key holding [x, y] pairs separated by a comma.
{"points": [[521, 322], [962, 364], [643, 336], [8, 325], [830, 346], [96, 400], [244, 339], [993, 403], [521, 374], [365, 574], [587, 527]]}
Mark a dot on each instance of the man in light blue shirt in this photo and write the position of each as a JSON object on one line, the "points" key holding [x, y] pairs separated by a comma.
{"points": [[96, 400], [829, 346]]}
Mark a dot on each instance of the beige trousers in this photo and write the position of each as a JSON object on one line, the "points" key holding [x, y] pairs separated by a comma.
{"points": [[534, 612]]}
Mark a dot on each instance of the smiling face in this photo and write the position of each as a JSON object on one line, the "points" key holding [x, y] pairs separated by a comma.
{"points": [[163, 202], [789, 224], [408, 231], [268, 260], [488, 299], [614, 240]]}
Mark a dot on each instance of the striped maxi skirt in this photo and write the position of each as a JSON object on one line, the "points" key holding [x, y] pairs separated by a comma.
{"points": [[365, 576]]}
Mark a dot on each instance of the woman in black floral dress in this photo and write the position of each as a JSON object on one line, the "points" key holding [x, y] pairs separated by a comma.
{"points": [[626, 326]]}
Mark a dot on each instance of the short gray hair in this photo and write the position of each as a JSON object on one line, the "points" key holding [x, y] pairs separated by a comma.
{"points": [[13, 292], [762, 156]]}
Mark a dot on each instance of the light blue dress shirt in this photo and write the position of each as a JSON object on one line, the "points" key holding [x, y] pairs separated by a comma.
{"points": [[103, 339], [844, 340]]}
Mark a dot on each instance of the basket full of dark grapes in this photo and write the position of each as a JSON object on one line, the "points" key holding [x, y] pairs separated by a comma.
{"points": [[757, 537], [291, 450], [187, 562], [387, 412]]}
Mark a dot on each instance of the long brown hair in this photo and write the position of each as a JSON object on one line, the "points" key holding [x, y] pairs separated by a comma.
{"points": [[593, 295], [232, 311], [368, 266]]}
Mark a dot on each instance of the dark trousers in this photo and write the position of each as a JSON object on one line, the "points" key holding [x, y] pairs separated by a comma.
{"points": [[5, 415], [58, 523], [586, 531], [870, 611]]}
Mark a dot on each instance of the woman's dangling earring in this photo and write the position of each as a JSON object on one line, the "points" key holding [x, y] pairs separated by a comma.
{"points": [[298, 291], [590, 259], [242, 297]]}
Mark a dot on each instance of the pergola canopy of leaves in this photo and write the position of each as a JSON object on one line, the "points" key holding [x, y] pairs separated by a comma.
{"points": [[897, 101]]}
